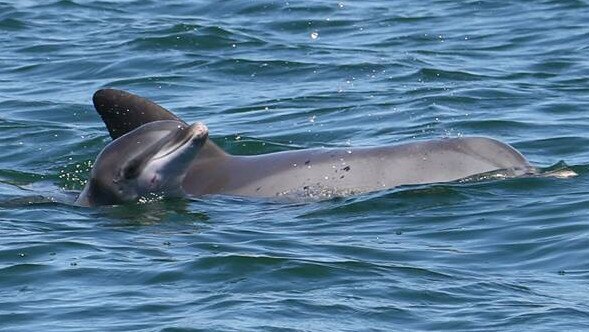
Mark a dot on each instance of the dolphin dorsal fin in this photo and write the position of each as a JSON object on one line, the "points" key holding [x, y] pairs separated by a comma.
{"points": [[123, 112]]}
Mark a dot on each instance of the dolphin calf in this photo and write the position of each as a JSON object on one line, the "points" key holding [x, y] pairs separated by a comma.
{"points": [[156, 153], [152, 159]]}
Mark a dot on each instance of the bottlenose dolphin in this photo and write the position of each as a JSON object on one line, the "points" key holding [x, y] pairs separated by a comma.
{"points": [[150, 160], [153, 143]]}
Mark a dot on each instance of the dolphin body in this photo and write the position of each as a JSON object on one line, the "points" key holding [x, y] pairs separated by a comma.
{"points": [[153, 144]]}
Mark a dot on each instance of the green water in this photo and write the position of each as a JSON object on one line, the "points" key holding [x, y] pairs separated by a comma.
{"points": [[270, 76]]}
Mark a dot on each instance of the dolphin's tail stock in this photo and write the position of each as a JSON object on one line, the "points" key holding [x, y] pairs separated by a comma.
{"points": [[559, 170]]}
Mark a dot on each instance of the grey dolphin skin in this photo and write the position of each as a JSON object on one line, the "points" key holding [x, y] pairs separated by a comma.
{"points": [[156, 153]]}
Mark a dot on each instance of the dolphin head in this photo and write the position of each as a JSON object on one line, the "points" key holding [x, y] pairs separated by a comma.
{"points": [[152, 159]]}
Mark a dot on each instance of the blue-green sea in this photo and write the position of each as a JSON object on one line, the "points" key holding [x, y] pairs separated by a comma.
{"points": [[267, 76]]}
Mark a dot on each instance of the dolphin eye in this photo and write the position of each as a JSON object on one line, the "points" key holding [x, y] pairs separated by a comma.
{"points": [[131, 171]]}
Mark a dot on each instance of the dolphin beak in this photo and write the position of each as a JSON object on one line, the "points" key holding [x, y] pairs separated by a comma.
{"points": [[179, 150], [175, 151], [198, 131], [184, 138]]}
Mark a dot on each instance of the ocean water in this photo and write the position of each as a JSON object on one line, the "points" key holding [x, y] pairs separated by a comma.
{"points": [[265, 76]]}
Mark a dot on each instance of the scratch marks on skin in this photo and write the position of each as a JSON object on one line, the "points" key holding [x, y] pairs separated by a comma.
{"points": [[347, 168], [324, 187]]}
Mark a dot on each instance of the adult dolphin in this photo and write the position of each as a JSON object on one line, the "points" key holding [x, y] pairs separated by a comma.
{"points": [[322, 172]]}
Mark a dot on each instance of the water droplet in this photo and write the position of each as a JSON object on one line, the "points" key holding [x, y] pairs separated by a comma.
{"points": [[314, 35]]}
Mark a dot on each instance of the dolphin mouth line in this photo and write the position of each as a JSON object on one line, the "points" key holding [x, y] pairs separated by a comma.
{"points": [[195, 131]]}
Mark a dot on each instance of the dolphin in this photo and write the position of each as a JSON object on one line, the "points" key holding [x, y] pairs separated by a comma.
{"points": [[153, 152], [150, 160]]}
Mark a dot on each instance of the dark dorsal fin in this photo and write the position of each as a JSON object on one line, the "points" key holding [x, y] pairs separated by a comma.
{"points": [[122, 111]]}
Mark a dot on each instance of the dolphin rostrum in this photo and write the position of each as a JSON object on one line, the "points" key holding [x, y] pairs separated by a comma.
{"points": [[156, 153]]}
